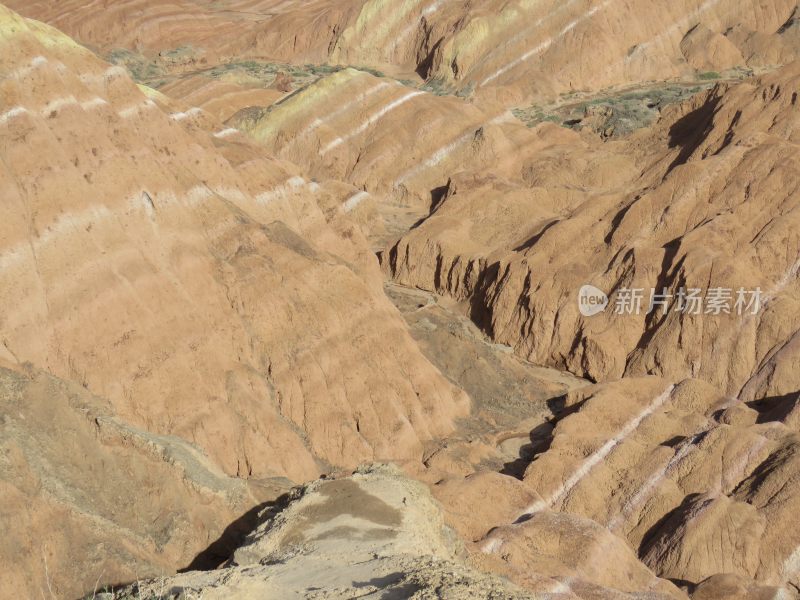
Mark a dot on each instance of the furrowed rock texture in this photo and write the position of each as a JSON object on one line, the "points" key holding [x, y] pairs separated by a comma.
{"points": [[498, 49], [706, 50], [160, 261], [189, 35], [167, 269], [193, 319], [700, 484], [581, 558], [89, 499], [365, 139], [762, 48], [222, 98], [525, 44], [556, 554], [377, 534], [405, 33], [706, 201]]}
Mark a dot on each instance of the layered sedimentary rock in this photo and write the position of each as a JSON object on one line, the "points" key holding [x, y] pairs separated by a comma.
{"points": [[706, 201], [193, 317], [695, 476], [220, 97], [163, 263], [706, 50], [89, 499], [699, 483], [189, 35], [616, 42], [530, 48], [361, 140], [762, 48], [196, 242]]}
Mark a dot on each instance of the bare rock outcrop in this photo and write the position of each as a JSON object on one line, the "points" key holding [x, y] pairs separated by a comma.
{"points": [[376, 534], [706, 50], [721, 167], [495, 50], [193, 319], [88, 498], [199, 245], [162, 262], [698, 483]]}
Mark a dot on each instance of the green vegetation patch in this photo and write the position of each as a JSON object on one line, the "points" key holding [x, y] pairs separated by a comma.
{"points": [[437, 86], [611, 114], [141, 68]]}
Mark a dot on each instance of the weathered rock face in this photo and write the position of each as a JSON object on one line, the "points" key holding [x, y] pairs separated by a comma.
{"points": [[698, 482], [761, 48], [168, 270], [523, 47], [708, 203], [161, 262], [89, 499], [706, 50], [188, 35], [366, 138], [222, 97], [629, 484], [735, 587], [193, 317], [616, 42], [580, 557], [694, 477]]}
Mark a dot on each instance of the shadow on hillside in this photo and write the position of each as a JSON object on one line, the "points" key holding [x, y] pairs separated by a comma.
{"points": [[221, 550], [689, 132], [540, 437], [775, 408]]}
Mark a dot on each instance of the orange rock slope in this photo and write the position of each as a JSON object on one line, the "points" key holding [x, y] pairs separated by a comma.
{"points": [[704, 201], [194, 317], [521, 47]]}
